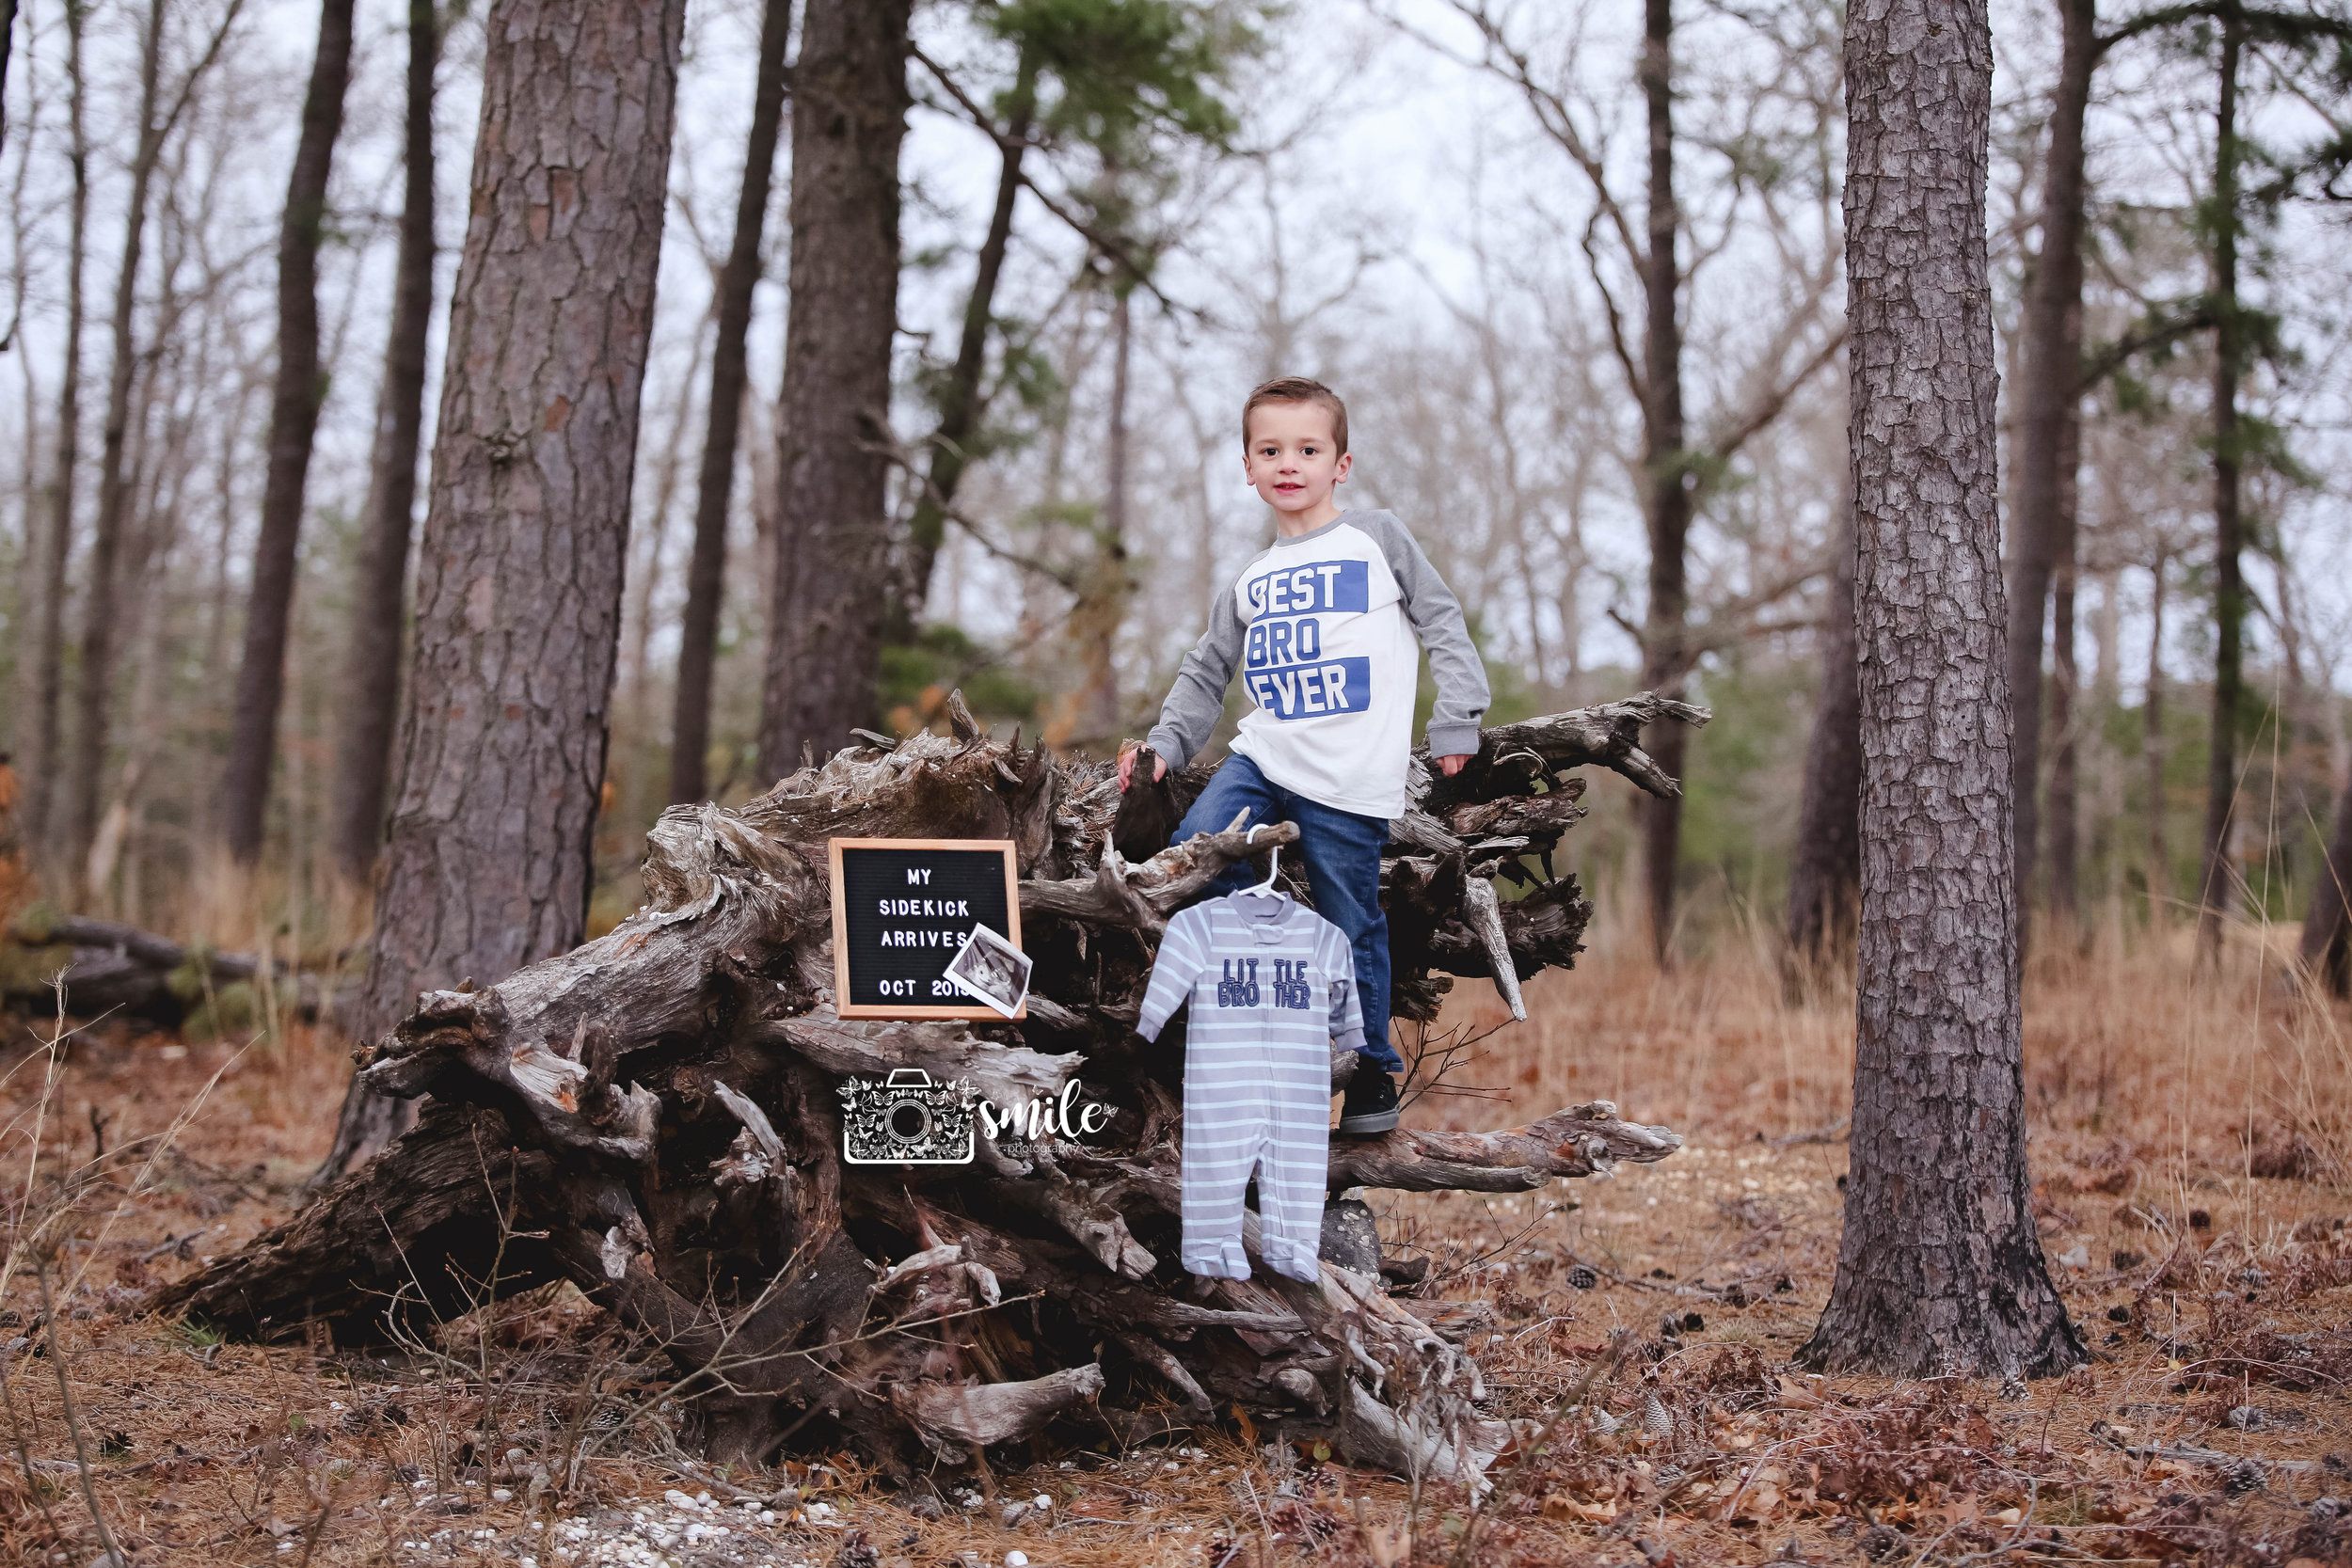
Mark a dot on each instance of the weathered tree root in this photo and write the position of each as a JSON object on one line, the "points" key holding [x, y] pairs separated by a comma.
{"points": [[654, 1116]]}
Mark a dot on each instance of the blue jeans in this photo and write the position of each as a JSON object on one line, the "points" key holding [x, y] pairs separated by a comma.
{"points": [[1342, 855]]}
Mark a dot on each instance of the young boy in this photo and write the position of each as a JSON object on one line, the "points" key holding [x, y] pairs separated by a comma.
{"points": [[1322, 625]]}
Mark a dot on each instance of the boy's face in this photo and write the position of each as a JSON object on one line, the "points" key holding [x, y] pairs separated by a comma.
{"points": [[1294, 458]]}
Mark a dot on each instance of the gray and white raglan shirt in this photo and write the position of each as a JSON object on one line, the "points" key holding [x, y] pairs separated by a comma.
{"points": [[1323, 628], [1272, 986]]}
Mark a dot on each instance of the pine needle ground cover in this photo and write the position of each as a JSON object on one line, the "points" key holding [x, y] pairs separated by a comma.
{"points": [[2189, 1151]]}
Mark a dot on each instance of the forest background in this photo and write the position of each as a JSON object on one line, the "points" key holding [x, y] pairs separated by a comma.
{"points": [[1432, 207]]}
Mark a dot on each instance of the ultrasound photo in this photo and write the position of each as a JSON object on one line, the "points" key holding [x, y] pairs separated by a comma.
{"points": [[991, 970]]}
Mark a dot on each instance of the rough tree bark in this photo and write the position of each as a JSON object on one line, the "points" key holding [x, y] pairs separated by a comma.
{"points": [[654, 1117], [1939, 1268], [2053, 386], [714, 493], [2326, 946], [1670, 494], [371, 699], [850, 103], [294, 420], [54, 549], [518, 590], [1825, 882], [2218, 884]]}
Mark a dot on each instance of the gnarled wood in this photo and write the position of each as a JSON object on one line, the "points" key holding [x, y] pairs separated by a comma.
{"points": [[655, 1115]]}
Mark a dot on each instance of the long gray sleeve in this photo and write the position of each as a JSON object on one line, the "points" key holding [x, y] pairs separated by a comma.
{"points": [[1436, 616], [1347, 1011], [1197, 700]]}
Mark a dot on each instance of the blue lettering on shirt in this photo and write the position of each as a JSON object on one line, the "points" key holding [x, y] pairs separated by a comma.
{"points": [[1239, 988], [1320, 587], [1312, 690], [1291, 988], [1284, 642]]}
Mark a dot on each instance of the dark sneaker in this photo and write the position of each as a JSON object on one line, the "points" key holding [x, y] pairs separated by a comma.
{"points": [[1370, 1104]]}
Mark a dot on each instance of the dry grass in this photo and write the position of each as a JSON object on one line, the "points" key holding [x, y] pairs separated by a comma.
{"points": [[2189, 1143]]}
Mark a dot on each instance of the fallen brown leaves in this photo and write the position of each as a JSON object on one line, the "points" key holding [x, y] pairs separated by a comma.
{"points": [[2210, 1428]]}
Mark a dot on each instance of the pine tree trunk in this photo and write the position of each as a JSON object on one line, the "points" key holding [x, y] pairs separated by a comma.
{"points": [[371, 701], [1939, 1269], [526, 534], [294, 420], [2327, 947], [1826, 881], [714, 493], [1099, 619], [1665, 463], [850, 103], [7, 42], [2217, 883], [959, 398], [53, 548], [2053, 380], [2066, 720], [94, 693]]}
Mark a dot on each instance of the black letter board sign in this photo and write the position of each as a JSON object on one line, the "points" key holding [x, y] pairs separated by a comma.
{"points": [[902, 907]]}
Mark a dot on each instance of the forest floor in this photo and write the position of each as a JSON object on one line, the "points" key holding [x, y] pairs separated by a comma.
{"points": [[2190, 1149]]}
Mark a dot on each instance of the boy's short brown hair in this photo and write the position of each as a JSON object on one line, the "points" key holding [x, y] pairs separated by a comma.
{"points": [[1298, 389]]}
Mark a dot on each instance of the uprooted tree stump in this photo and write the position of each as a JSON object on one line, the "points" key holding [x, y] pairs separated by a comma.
{"points": [[655, 1116]]}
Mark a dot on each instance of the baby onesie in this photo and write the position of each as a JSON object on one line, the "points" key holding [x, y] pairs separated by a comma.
{"points": [[1273, 988]]}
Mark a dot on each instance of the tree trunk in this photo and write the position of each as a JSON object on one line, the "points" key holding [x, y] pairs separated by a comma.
{"points": [[2066, 720], [2218, 884], [644, 578], [2152, 754], [1939, 1269], [714, 492], [2326, 927], [371, 699], [94, 696], [1826, 881], [53, 548], [1666, 464], [655, 1118], [850, 103], [526, 533], [293, 422], [1099, 619], [8, 42], [960, 401], [2053, 385]]}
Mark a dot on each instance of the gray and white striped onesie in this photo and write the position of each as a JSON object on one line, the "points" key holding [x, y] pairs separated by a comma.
{"points": [[1273, 988]]}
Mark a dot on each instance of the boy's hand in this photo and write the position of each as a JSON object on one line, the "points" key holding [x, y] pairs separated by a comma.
{"points": [[1448, 765], [1127, 766]]}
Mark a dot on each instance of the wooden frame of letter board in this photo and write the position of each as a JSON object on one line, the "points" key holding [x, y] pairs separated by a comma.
{"points": [[842, 1006]]}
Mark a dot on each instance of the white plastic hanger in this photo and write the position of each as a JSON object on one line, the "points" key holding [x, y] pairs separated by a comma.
{"points": [[1274, 867]]}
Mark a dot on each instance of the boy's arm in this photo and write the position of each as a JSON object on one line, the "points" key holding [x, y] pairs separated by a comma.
{"points": [[1197, 699], [1437, 618]]}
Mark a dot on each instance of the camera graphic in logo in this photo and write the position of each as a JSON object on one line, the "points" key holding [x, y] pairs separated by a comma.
{"points": [[906, 1120]]}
